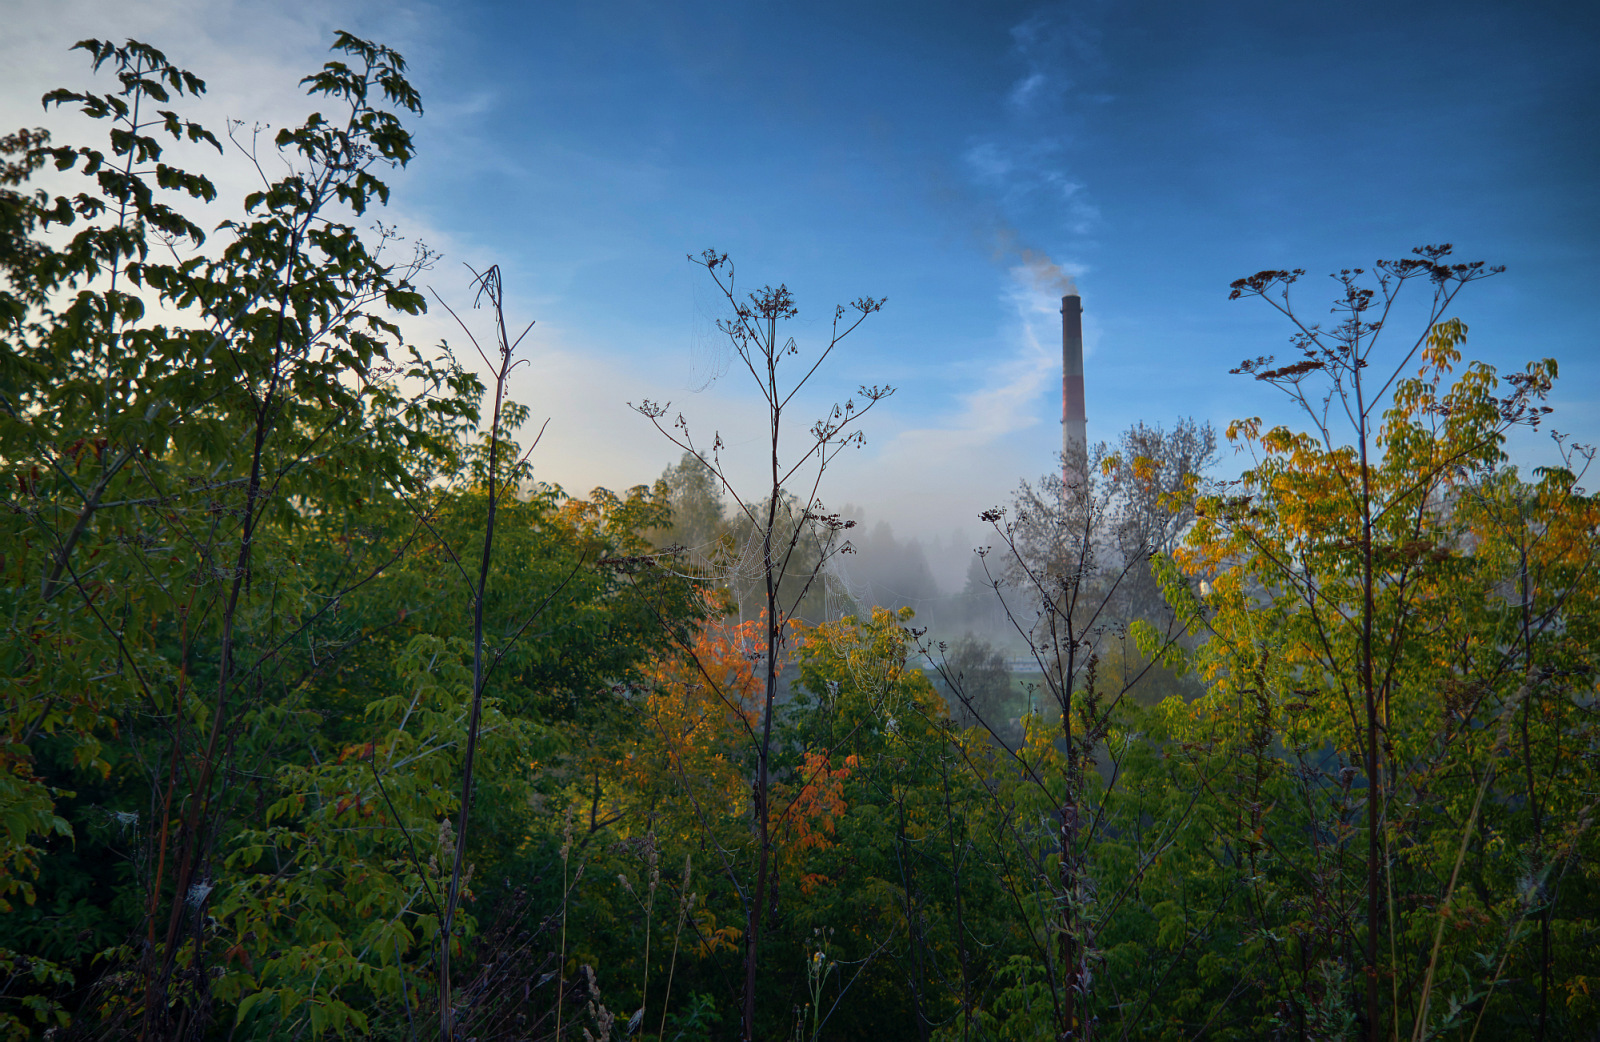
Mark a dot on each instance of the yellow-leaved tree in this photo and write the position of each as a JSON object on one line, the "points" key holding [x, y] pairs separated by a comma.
{"points": [[1400, 680]]}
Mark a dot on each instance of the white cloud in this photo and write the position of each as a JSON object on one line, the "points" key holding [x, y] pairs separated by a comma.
{"points": [[926, 476], [988, 163], [1026, 89], [928, 467], [933, 478], [251, 56]]}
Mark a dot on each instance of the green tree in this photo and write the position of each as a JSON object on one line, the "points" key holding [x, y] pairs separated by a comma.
{"points": [[699, 521], [165, 471], [1393, 684], [980, 681], [243, 668]]}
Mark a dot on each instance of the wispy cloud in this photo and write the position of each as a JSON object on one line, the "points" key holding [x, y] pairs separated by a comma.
{"points": [[1027, 89], [969, 454], [1026, 160], [989, 163], [1058, 49]]}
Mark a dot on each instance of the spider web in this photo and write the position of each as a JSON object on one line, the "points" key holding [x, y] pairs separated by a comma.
{"points": [[710, 353], [843, 591]]}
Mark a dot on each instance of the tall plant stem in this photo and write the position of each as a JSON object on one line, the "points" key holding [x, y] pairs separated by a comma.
{"points": [[685, 904], [1419, 1030], [752, 330], [488, 285]]}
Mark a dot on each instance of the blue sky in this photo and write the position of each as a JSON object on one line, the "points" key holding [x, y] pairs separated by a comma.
{"points": [[1155, 151]]}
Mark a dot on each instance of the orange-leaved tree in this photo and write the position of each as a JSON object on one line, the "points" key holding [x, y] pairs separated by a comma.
{"points": [[791, 535]]}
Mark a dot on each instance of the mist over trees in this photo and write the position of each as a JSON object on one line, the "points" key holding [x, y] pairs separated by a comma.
{"points": [[319, 717]]}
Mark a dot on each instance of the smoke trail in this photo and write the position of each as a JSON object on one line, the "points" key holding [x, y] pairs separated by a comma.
{"points": [[1047, 275], [1043, 274]]}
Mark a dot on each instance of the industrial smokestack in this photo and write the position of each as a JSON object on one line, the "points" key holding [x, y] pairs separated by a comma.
{"points": [[1074, 423]]}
